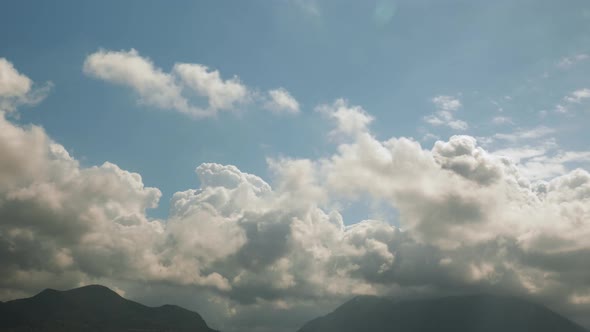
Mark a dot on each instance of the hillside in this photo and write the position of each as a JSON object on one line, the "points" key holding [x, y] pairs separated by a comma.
{"points": [[94, 308], [478, 313]]}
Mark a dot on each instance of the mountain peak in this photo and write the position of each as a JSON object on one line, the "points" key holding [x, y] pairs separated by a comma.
{"points": [[84, 291], [474, 313], [95, 287], [94, 308], [47, 292], [93, 290]]}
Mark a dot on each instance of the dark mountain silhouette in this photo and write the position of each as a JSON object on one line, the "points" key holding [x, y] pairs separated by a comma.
{"points": [[477, 313], [94, 308]]}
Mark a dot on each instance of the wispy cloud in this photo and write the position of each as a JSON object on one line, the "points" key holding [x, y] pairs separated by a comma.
{"points": [[502, 120], [570, 61], [569, 101], [524, 134], [578, 95], [559, 108], [430, 137], [544, 162], [444, 116], [310, 7], [281, 101]]}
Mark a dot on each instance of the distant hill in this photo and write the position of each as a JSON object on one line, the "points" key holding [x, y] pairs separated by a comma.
{"points": [[478, 313], [94, 308]]}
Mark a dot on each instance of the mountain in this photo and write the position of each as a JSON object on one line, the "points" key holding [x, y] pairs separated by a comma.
{"points": [[476, 313], [94, 308]]}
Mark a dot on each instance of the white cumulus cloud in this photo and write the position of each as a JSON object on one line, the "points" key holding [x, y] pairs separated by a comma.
{"points": [[350, 120], [469, 221], [175, 90], [17, 89]]}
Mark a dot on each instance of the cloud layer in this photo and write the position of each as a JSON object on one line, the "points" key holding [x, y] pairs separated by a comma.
{"points": [[469, 221]]}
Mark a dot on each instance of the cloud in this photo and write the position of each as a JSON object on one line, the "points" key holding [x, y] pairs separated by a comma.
{"points": [[12, 83], [552, 164], [537, 155], [469, 221], [570, 61], [222, 95], [350, 120], [310, 7], [281, 101], [17, 89], [462, 155], [578, 95], [384, 12], [502, 120], [430, 137], [542, 160], [177, 90], [446, 103], [559, 108], [153, 86], [444, 116], [518, 154], [525, 134], [575, 97]]}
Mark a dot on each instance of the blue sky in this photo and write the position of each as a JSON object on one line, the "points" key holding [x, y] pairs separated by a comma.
{"points": [[479, 52], [459, 128]]}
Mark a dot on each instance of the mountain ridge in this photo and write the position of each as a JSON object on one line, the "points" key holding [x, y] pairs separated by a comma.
{"points": [[472, 313], [97, 308], [94, 308]]}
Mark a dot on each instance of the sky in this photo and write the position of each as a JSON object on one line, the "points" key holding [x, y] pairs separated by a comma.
{"points": [[242, 158]]}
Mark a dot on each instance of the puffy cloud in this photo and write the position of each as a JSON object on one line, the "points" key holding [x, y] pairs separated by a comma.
{"points": [[172, 91], [159, 89], [17, 89], [222, 95], [435, 192], [57, 217], [12, 83], [64, 225], [280, 100], [469, 221], [446, 103], [462, 155], [350, 120]]}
